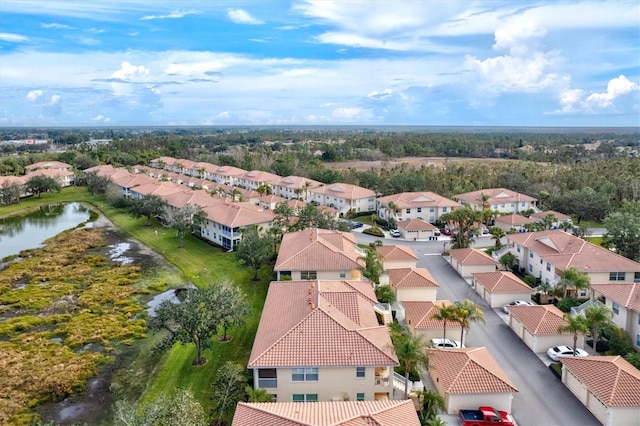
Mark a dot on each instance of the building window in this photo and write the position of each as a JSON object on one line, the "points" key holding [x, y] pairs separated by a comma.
{"points": [[267, 378], [548, 267], [636, 277], [531, 255], [309, 275], [638, 339], [308, 374], [518, 249], [343, 274], [431, 210], [616, 276], [360, 372], [419, 209], [408, 211], [360, 396], [530, 268], [445, 209], [615, 308], [302, 397]]}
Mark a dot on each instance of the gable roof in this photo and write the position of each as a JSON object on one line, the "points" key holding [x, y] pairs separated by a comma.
{"points": [[612, 379], [344, 190], [411, 278], [260, 176], [564, 251], [496, 196], [471, 256], [236, 215], [501, 282], [559, 216], [397, 253], [320, 323], [513, 219], [539, 319], [419, 315], [297, 182], [406, 200], [48, 165], [416, 225], [468, 370], [625, 294], [334, 413], [318, 250]]}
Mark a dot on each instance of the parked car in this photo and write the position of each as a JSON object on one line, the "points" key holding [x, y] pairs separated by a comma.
{"points": [[559, 351], [445, 231], [505, 308], [355, 225], [446, 343], [394, 233], [485, 416], [436, 232]]}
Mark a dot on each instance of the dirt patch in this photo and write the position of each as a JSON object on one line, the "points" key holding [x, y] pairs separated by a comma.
{"points": [[438, 162]]}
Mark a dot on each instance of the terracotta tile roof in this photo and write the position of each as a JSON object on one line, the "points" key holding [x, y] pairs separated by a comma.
{"points": [[335, 413], [160, 189], [197, 198], [52, 173], [236, 215], [269, 199], [612, 379], [297, 182], [299, 204], [11, 180], [406, 200], [260, 176], [229, 171], [468, 370], [165, 160], [411, 278], [501, 282], [320, 323], [318, 250], [130, 180], [625, 294], [395, 253], [48, 165], [419, 315], [496, 196], [559, 216], [564, 251], [513, 219], [416, 225], [470, 256], [344, 190], [539, 319]]}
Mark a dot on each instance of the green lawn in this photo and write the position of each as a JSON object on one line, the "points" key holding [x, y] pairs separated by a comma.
{"points": [[201, 264]]}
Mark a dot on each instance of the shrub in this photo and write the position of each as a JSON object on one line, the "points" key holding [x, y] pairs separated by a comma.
{"points": [[567, 303], [375, 231], [556, 369], [531, 281]]}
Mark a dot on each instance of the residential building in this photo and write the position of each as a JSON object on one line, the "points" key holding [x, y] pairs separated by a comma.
{"points": [[319, 254], [321, 341], [609, 386], [468, 261], [624, 300], [344, 197], [498, 199], [537, 326], [546, 254], [256, 178], [269, 202], [398, 256], [559, 218], [63, 177], [419, 318], [49, 165], [228, 175], [225, 222], [333, 413], [411, 284], [500, 288], [427, 206], [417, 229], [155, 188], [470, 377], [291, 187], [512, 222]]}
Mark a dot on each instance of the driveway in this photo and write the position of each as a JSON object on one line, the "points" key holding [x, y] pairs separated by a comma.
{"points": [[542, 398]]}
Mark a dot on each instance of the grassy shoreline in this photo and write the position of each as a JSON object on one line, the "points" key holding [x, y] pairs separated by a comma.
{"points": [[199, 263]]}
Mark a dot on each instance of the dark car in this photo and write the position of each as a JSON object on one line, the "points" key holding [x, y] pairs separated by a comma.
{"points": [[355, 225], [445, 231]]}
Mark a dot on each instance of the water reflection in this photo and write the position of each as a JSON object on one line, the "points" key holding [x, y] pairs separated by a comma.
{"points": [[19, 233]]}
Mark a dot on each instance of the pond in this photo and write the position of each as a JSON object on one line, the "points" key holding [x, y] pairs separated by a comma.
{"points": [[19, 233]]}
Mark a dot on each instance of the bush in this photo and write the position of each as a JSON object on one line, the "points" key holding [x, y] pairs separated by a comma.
{"points": [[375, 231], [556, 369], [567, 303], [384, 294], [531, 281]]}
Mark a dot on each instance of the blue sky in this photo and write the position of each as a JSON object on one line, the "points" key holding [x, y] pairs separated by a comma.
{"points": [[484, 63]]}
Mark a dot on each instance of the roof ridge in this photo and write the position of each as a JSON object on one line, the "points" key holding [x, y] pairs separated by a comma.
{"points": [[508, 383], [281, 416], [373, 344], [615, 381]]}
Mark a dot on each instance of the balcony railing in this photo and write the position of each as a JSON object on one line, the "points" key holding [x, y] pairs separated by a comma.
{"points": [[267, 383]]}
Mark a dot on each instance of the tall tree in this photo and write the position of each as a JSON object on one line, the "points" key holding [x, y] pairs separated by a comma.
{"points": [[431, 403], [509, 261], [180, 408], [197, 317], [411, 352], [384, 294], [96, 184], [148, 206], [497, 234], [10, 193], [372, 265], [575, 325], [232, 306], [463, 222], [39, 184], [255, 249], [467, 312], [446, 313], [188, 218], [597, 317], [572, 278], [227, 388], [623, 231], [548, 221]]}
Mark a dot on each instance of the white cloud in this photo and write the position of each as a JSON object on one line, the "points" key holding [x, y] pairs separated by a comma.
{"points": [[569, 99], [518, 36], [573, 100], [101, 119], [13, 38], [380, 95], [54, 100], [55, 26], [176, 14], [128, 71], [34, 94], [347, 114], [240, 16]]}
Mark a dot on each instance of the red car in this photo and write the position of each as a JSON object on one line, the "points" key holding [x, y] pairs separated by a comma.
{"points": [[445, 231]]}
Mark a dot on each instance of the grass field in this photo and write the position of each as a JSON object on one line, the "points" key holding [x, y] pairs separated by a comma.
{"points": [[201, 264]]}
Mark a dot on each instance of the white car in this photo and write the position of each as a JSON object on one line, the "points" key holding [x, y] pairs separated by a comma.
{"points": [[561, 351], [505, 308], [446, 343], [394, 233]]}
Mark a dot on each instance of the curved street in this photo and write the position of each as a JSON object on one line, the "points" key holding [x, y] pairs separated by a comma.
{"points": [[542, 398]]}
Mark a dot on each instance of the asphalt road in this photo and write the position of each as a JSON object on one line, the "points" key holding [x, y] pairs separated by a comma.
{"points": [[542, 399]]}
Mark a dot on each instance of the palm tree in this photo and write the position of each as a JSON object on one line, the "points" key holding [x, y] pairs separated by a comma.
{"points": [[445, 314], [484, 200], [597, 316], [372, 266], [497, 234], [548, 221], [435, 421], [411, 352], [576, 325], [392, 210], [573, 278], [258, 395], [431, 403], [508, 261], [566, 226], [466, 313]]}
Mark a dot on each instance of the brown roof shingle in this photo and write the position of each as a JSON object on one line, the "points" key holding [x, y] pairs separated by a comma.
{"points": [[501, 282], [625, 294], [539, 319], [470, 256], [411, 277], [612, 379], [419, 315], [416, 225], [406, 200], [397, 253]]}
